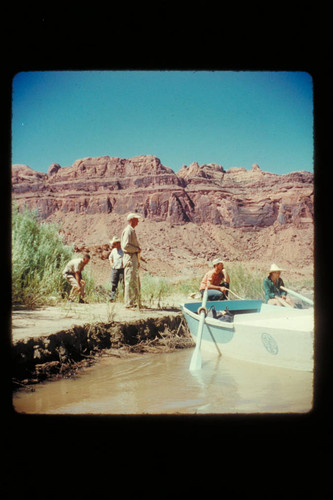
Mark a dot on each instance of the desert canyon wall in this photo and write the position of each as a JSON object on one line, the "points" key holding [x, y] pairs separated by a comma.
{"points": [[188, 217]]}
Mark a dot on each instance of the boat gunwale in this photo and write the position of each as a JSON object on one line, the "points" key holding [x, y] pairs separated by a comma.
{"points": [[246, 317]]}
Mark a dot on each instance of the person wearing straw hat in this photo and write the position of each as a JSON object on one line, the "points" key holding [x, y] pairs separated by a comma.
{"points": [[116, 263], [217, 281], [272, 286], [131, 261]]}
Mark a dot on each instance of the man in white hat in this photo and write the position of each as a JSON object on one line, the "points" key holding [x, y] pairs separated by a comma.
{"points": [[131, 249], [272, 286], [217, 281], [116, 263]]}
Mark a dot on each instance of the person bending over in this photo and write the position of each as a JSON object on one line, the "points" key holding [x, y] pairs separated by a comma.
{"points": [[73, 275]]}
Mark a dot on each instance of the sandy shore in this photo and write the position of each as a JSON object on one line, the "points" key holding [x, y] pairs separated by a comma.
{"points": [[51, 319]]}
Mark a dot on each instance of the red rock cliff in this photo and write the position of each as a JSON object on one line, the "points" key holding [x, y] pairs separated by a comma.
{"points": [[233, 198]]}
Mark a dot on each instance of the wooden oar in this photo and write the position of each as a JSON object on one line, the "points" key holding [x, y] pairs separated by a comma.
{"points": [[298, 295], [196, 356]]}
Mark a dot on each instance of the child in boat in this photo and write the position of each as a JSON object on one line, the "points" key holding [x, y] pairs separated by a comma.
{"points": [[217, 280], [272, 286]]}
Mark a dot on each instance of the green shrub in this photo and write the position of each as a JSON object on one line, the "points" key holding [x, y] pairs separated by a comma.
{"points": [[38, 258]]}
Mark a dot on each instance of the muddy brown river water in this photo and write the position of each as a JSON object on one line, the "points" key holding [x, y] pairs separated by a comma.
{"points": [[162, 384]]}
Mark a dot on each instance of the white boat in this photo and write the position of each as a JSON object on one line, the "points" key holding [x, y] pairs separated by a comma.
{"points": [[258, 332]]}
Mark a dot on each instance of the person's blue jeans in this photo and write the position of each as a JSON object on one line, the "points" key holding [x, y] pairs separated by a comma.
{"points": [[216, 294], [116, 276]]}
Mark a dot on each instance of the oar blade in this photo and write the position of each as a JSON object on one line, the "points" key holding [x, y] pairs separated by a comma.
{"points": [[196, 361], [196, 356]]}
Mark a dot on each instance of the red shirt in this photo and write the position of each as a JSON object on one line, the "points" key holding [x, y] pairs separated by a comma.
{"points": [[211, 278]]}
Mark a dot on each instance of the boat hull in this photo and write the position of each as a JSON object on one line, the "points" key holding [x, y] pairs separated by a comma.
{"points": [[259, 333]]}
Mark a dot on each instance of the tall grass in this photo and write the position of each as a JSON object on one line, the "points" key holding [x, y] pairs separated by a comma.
{"points": [[38, 258], [245, 283]]}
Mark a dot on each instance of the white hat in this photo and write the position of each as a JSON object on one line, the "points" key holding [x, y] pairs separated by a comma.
{"points": [[114, 240], [133, 216], [217, 261], [275, 268]]}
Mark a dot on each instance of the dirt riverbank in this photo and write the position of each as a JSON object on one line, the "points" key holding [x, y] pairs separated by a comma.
{"points": [[58, 341], [50, 319]]}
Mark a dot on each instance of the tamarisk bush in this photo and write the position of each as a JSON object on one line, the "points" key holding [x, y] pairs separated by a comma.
{"points": [[38, 258]]}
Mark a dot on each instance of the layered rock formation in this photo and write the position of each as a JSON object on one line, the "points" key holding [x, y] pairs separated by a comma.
{"points": [[233, 198], [189, 218]]}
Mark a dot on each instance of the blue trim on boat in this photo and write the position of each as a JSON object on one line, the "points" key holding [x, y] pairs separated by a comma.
{"points": [[236, 306]]}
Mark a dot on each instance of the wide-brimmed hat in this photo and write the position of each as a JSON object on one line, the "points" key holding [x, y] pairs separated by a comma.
{"points": [[114, 240], [217, 261], [133, 216], [274, 268]]}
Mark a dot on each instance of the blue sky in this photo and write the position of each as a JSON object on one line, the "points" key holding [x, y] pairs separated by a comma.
{"points": [[225, 117]]}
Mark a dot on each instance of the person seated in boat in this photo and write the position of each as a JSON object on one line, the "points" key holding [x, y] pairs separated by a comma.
{"points": [[217, 280], [272, 286]]}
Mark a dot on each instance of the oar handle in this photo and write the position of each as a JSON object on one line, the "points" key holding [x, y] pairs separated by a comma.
{"points": [[205, 297], [203, 308], [298, 295]]}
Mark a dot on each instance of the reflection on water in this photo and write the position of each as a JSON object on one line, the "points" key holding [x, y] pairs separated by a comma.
{"points": [[163, 384]]}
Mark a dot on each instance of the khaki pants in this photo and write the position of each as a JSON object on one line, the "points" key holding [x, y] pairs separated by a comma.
{"points": [[131, 280], [73, 282]]}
